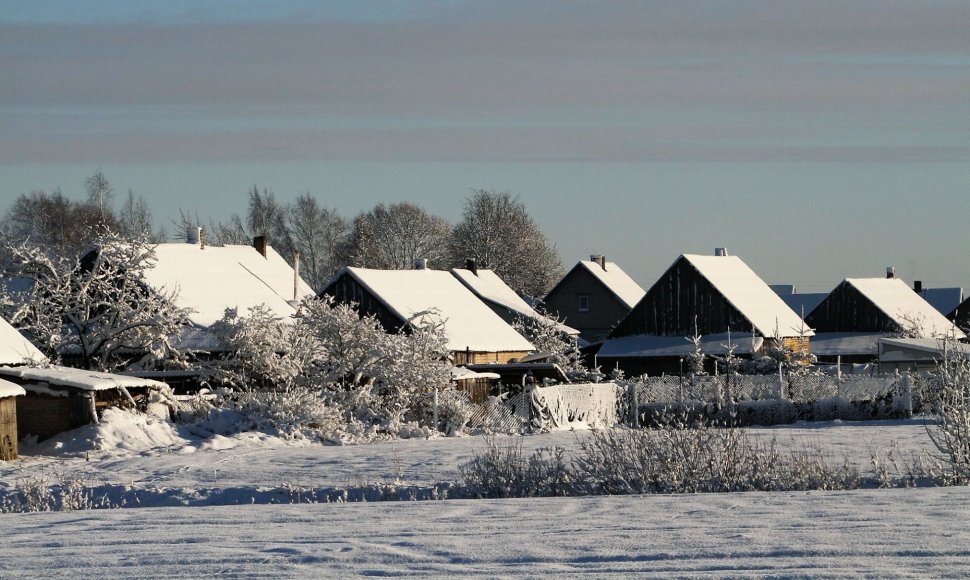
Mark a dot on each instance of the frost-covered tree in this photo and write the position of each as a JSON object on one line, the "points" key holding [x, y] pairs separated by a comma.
{"points": [[951, 436], [498, 233], [98, 311], [695, 359], [392, 237], [351, 348]]}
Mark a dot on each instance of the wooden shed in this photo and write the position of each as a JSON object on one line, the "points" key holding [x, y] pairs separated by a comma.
{"points": [[59, 399], [8, 420]]}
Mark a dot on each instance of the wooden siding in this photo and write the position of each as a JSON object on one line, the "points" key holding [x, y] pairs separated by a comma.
{"points": [[477, 389], [604, 311], [465, 357], [46, 416], [847, 310], [346, 289], [671, 306], [8, 429]]}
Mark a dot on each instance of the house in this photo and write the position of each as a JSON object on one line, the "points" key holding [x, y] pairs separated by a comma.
{"points": [[210, 279], [860, 311], [961, 315], [945, 300], [593, 296], [498, 296], [397, 298], [718, 298]]}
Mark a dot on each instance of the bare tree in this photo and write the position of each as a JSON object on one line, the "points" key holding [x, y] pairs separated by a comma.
{"points": [[316, 232], [497, 232], [392, 237], [135, 219], [100, 194]]}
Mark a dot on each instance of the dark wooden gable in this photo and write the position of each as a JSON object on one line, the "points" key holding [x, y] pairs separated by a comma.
{"points": [[846, 309], [961, 315], [670, 306], [348, 290]]}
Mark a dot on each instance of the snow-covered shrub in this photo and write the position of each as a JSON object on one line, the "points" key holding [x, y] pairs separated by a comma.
{"points": [[38, 494], [505, 471], [951, 435], [297, 413], [349, 348], [264, 351]]}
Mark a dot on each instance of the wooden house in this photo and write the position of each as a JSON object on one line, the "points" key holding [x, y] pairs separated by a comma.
{"points": [[475, 334], [208, 280], [961, 315], [860, 311], [716, 297], [593, 296], [498, 296]]}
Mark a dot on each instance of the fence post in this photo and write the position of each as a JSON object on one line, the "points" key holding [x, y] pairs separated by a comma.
{"points": [[634, 406], [907, 396], [781, 381], [436, 408]]}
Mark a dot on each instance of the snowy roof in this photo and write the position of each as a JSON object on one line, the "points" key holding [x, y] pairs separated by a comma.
{"points": [[846, 343], [8, 389], [462, 374], [894, 348], [487, 285], [15, 349], [648, 346], [468, 322], [211, 279], [78, 378], [616, 280], [904, 306], [945, 300], [747, 292]]}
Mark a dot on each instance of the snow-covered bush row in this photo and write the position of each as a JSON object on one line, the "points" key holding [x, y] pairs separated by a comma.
{"points": [[677, 458]]}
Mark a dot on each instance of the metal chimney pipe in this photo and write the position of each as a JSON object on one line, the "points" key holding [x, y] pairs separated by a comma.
{"points": [[296, 273]]}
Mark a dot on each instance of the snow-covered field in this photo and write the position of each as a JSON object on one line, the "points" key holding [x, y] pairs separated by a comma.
{"points": [[911, 532]]}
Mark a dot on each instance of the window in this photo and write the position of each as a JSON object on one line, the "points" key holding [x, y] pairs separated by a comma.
{"points": [[584, 302]]}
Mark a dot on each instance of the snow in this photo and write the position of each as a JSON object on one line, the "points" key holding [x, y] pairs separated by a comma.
{"points": [[747, 292], [870, 533], [661, 346], [468, 322], [489, 287], [14, 348], [78, 378], [8, 389], [461, 374], [904, 306], [211, 279], [616, 280]]}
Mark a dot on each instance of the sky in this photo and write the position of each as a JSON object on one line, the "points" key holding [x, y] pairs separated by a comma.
{"points": [[817, 140]]}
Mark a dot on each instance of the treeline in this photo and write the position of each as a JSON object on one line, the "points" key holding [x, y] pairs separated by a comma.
{"points": [[495, 230]]}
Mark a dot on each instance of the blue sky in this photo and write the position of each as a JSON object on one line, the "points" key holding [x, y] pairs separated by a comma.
{"points": [[817, 140]]}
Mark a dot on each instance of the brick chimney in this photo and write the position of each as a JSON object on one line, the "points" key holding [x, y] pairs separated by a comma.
{"points": [[259, 242], [601, 260], [890, 272], [471, 266], [918, 286], [420, 263]]}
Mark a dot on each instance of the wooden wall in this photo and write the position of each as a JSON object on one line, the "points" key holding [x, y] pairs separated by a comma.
{"points": [[8, 429], [46, 416], [847, 310], [605, 309], [464, 357]]}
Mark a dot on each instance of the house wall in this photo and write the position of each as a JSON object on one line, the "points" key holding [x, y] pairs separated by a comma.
{"points": [[847, 310], [347, 290], [8, 429], [605, 309], [681, 297]]}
